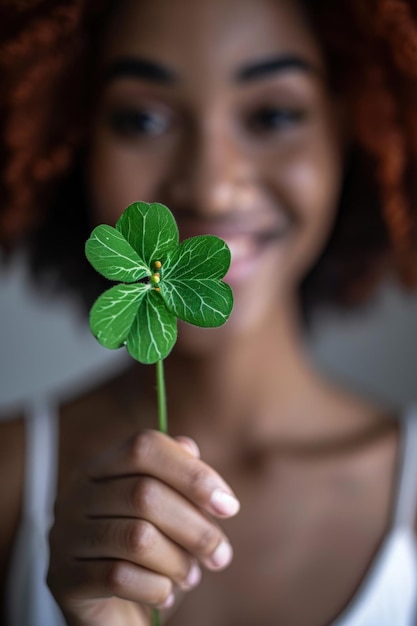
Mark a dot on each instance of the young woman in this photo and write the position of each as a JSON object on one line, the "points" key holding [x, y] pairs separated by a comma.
{"points": [[289, 129]]}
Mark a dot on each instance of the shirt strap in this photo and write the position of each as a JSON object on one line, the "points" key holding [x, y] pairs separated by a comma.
{"points": [[41, 462], [406, 505]]}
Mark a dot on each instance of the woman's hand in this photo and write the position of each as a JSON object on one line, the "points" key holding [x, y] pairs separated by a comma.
{"points": [[136, 526]]}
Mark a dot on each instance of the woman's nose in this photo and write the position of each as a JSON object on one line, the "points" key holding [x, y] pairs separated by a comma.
{"points": [[212, 177]]}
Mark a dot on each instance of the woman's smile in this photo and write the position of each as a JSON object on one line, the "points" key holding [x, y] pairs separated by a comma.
{"points": [[248, 245], [249, 151]]}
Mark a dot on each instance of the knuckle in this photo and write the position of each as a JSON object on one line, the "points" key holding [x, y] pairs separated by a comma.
{"points": [[140, 537], [142, 495], [141, 446], [116, 578], [206, 541], [161, 593]]}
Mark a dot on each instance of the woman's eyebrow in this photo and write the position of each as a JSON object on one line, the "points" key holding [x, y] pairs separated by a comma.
{"points": [[273, 65], [141, 68], [155, 72]]}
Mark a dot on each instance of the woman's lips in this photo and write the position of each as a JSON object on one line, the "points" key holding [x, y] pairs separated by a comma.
{"points": [[248, 252], [247, 246], [244, 251]]}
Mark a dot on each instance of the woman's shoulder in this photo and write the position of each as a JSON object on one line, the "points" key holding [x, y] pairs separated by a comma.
{"points": [[357, 423], [12, 453], [12, 430], [390, 446]]}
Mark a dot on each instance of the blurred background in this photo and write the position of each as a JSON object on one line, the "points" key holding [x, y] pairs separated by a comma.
{"points": [[47, 348]]}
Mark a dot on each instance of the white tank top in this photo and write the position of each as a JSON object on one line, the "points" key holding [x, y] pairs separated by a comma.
{"points": [[387, 597]]}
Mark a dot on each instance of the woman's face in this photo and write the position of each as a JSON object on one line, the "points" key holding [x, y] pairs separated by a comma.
{"points": [[219, 109]]}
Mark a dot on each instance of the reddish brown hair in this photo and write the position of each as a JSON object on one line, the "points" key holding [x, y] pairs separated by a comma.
{"points": [[46, 96]]}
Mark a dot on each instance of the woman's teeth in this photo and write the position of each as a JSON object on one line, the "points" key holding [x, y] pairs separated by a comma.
{"points": [[240, 247]]}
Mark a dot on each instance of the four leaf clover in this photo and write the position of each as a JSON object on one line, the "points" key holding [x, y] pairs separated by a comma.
{"points": [[159, 280]]}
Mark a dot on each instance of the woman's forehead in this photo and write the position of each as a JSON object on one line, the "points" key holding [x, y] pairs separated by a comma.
{"points": [[213, 35]]}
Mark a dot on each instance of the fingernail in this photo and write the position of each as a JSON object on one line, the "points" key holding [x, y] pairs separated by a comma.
{"points": [[168, 602], [223, 503], [194, 577], [222, 555]]}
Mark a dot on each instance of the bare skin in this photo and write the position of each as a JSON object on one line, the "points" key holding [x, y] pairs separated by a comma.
{"points": [[312, 466], [304, 502]]}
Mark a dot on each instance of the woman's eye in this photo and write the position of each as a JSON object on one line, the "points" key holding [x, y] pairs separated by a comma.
{"points": [[138, 122], [274, 119]]}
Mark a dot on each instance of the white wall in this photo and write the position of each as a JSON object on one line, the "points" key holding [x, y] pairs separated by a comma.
{"points": [[46, 347], [374, 351]]}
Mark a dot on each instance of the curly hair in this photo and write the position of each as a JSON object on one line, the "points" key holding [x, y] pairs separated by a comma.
{"points": [[47, 60]]}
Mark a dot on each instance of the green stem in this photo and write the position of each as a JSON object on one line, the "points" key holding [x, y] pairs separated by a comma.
{"points": [[163, 427], [162, 401]]}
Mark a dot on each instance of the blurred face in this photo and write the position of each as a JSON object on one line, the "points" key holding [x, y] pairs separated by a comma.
{"points": [[219, 109]]}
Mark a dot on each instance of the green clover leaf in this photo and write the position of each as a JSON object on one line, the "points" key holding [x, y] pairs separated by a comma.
{"points": [[160, 280]]}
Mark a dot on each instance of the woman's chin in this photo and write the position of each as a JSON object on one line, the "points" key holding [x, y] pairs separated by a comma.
{"points": [[200, 342], [250, 316]]}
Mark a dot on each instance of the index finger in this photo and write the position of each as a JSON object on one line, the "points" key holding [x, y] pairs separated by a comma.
{"points": [[155, 454]]}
